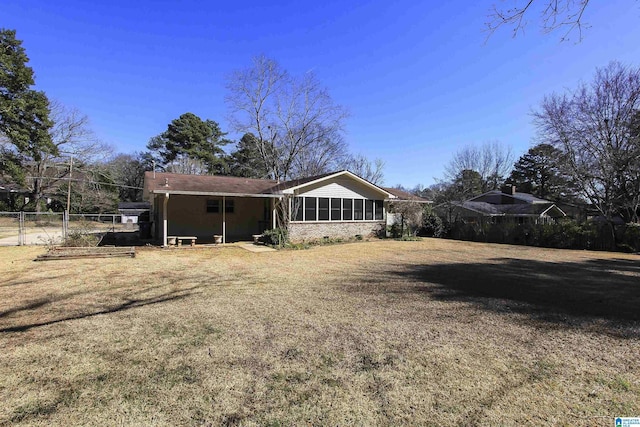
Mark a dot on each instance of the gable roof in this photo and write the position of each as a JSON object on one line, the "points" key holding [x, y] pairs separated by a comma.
{"points": [[300, 182], [289, 187], [220, 185]]}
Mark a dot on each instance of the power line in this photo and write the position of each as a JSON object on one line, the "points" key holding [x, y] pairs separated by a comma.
{"points": [[84, 180]]}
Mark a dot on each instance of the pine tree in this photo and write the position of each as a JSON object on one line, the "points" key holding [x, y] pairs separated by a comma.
{"points": [[24, 112]]}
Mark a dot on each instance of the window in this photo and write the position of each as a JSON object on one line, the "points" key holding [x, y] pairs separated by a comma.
{"points": [[357, 209], [213, 206], [347, 206], [309, 208], [368, 210], [335, 210], [379, 211], [229, 205], [296, 209], [323, 209]]}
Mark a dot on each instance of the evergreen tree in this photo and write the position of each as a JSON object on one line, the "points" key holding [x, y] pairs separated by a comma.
{"points": [[539, 172], [24, 112], [246, 160], [190, 145]]}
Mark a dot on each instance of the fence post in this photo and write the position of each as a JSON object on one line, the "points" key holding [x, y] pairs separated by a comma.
{"points": [[21, 236], [65, 224]]}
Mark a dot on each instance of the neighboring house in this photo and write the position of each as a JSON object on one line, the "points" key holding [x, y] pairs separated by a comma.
{"points": [[339, 204], [131, 212], [12, 195], [507, 205]]}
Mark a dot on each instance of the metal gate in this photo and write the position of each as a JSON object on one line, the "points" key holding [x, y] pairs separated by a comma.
{"points": [[52, 228], [11, 228]]}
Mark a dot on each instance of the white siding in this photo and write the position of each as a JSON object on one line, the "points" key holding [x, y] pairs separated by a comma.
{"points": [[341, 187]]}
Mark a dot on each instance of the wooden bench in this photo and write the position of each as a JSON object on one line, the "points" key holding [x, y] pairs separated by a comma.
{"points": [[172, 240]]}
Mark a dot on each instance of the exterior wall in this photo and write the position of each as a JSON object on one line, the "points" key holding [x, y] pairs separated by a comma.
{"points": [[188, 216], [343, 188], [299, 231]]}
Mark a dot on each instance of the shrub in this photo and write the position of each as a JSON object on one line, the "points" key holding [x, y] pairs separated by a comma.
{"points": [[432, 225], [277, 237], [394, 230], [630, 241], [79, 238]]}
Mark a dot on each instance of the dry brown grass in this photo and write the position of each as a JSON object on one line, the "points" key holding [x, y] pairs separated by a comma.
{"points": [[374, 333]]}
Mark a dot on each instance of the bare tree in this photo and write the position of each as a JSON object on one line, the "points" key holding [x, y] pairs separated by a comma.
{"points": [[372, 171], [595, 128], [318, 158], [554, 15], [250, 100], [492, 161], [73, 139], [291, 118]]}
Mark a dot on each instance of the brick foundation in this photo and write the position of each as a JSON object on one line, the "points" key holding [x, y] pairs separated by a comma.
{"points": [[299, 231]]}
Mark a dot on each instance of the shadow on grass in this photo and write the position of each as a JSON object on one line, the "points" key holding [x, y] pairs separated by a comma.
{"points": [[29, 306], [128, 304], [605, 293], [17, 280]]}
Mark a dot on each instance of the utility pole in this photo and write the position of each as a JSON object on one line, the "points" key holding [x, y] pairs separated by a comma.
{"points": [[69, 186]]}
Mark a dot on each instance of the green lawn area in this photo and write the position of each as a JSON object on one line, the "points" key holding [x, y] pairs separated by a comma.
{"points": [[433, 332]]}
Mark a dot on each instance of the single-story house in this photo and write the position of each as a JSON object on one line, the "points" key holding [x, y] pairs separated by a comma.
{"points": [[506, 205], [338, 204]]}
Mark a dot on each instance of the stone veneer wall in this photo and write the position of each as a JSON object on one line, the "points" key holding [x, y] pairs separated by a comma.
{"points": [[299, 231]]}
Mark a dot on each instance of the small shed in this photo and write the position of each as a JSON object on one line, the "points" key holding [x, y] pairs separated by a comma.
{"points": [[132, 211]]}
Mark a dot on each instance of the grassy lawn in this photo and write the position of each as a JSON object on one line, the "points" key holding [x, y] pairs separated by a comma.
{"points": [[433, 332]]}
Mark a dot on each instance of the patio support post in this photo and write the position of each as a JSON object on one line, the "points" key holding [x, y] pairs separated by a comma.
{"points": [[224, 220], [165, 221], [273, 214]]}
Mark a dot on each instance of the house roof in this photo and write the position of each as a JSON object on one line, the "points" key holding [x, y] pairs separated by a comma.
{"points": [[404, 195], [300, 182], [529, 198], [134, 206], [289, 187], [171, 183], [9, 187], [489, 209]]}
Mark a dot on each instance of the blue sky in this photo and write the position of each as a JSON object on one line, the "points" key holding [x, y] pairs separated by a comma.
{"points": [[419, 78]]}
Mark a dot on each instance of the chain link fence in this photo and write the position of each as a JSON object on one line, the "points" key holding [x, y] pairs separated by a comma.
{"points": [[11, 228], [52, 228]]}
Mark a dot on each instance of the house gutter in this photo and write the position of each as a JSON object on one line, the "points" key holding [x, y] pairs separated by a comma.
{"points": [[219, 194]]}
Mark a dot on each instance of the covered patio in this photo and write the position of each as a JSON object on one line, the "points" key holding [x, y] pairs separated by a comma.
{"points": [[202, 207]]}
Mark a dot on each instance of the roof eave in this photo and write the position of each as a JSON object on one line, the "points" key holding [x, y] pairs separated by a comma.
{"points": [[214, 193], [398, 199]]}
